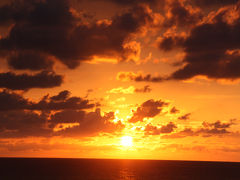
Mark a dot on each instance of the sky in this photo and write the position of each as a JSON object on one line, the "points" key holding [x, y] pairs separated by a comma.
{"points": [[131, 79]]}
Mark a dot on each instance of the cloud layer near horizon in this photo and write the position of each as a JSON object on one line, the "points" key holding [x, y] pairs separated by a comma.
{"points": [[20, 117]]}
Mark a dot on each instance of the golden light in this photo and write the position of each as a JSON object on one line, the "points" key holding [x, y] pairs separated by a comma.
{"points": [[126, 141]]}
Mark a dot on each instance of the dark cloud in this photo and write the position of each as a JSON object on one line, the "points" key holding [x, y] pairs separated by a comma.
{"points": [[12, 101], [63, 95], [206, 130], [29, 60], [23, 124], [93, 123], [154, 130], [181, 134], [213, 3], [51, 28], [11, 11], [218, 124], [180, 14], [212, 48], [43, 79], [185, 117], [60, 102], [171, 41], [145, 89], [168, 128], [216, 128], [71, 116], [5, 15], [177, 13], [19, 124], [133, 2], [148, 109], [67, 116], [148, 77], [174, 110], [130, 76]]}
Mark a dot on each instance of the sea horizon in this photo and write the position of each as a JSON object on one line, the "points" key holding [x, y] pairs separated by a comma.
{"points": [[83, 158], [113, 169]]}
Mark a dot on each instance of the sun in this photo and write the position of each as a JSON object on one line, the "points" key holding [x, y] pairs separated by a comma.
{"points": [[126, 141]]}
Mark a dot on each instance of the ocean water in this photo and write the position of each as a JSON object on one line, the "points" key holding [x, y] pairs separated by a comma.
{"points": [[87, 169]]}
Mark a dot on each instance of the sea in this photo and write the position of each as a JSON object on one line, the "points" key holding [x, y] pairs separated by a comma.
{"points": [[107, 169]]}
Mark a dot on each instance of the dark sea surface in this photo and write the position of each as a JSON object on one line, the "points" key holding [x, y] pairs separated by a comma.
{"points": [[74, 169]]}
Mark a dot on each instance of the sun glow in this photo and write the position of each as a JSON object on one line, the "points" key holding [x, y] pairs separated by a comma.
{"points": [[126, 141]]}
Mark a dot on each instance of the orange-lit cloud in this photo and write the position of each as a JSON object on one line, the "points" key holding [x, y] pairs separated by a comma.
{"points": [[130, 90]]}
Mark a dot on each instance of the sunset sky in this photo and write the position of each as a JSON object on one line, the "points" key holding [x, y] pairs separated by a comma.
{"points": [[144, 79]]}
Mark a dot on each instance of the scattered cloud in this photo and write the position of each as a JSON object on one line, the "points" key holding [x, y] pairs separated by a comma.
{"points": [[20, 117], [13, 101], [185, 117], [148, 109], [93, 123], [138, 77], [174, 110], [130, 90], [25, 81], [154, 130], [206, 130], [145, 89]]}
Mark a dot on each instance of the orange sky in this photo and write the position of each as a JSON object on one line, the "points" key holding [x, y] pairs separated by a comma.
{"points": [[78, 76]]}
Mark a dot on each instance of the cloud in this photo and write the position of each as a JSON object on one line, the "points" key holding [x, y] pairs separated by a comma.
{"points": [[213, 3], [23, 118], [206, 130], [19, 124], [218, 124], [180, 14], [63, 95], [145, 89], [43, 79], [121, 90], [185, 117], [93, 123], [181, 134], [23, 124], [216, 128], [212, 48], [170, 41], [62, 101], [133, 2], [130, 90], [50, 28], [154, 130], [148, 109], [29, 60], [130, 76], [12, 101], [71, 103], [67, 116], [71, 116], [174, 110]]}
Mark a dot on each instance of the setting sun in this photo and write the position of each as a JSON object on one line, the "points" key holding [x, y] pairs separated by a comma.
{"points": [[126, 141]]}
